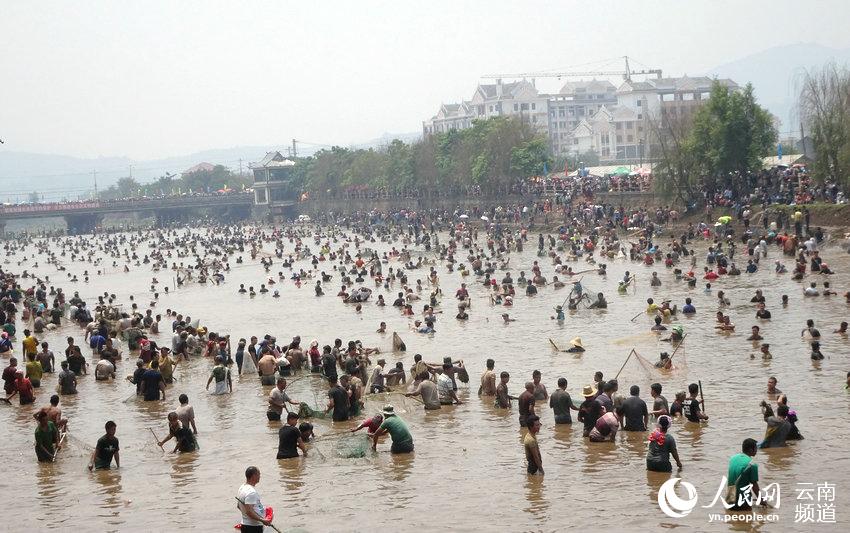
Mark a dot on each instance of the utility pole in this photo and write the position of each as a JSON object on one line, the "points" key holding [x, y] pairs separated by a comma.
{"points": [[240, 167], [294, 149], [131, 171], [803, 139], [94, 175]]}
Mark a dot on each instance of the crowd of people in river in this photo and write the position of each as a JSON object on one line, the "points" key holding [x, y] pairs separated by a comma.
{"points": [[474, 246]]}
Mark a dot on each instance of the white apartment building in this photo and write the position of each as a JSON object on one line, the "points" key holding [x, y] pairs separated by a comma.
{"points": [[492, 100], [585, 115]]}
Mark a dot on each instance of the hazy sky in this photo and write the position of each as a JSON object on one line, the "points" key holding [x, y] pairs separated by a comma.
{"points": [[158, 78]]}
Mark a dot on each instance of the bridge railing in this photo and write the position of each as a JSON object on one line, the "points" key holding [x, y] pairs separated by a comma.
{"points": [[128, 204]]}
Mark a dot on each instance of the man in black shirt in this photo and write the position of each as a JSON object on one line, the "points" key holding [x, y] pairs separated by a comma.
{"points": [[633, 414], [76, 361], [338, 400], [136, 378], [106, 448], [691, 408], [328, 363], [590, 410], [290, 438]]}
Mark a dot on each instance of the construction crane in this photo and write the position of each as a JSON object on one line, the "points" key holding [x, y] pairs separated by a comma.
{"points": [[626, 74]]}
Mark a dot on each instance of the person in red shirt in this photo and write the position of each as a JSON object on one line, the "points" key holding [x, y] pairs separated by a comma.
{"points": [[9, 376], [371, 424], [710, 275], [23, 388], [462, 293]]}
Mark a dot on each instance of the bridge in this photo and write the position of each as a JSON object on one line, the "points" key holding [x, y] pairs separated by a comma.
{"points": [[85, 216]]}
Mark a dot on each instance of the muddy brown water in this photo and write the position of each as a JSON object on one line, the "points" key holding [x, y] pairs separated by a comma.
{"points": [[468, 470]]}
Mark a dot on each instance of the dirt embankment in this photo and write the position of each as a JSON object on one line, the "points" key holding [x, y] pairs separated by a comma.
{"points": [[834, 218]]}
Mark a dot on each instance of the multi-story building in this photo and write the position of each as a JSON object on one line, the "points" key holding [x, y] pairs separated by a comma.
{"points": [[273, 184], [596, 115], [576, 103], [519, 98]]}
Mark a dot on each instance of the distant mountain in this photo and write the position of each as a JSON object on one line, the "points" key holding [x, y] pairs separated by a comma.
{"points": [[776, 73], [58, 177], [387, 138]]}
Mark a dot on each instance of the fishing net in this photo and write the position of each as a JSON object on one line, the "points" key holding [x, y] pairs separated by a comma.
{"points": [[352, 447], [305, 411], [679, 363], [374, 403]]}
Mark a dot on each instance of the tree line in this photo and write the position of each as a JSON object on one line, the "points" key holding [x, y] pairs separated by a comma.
{"points": [[200, 181], [492, 154]]}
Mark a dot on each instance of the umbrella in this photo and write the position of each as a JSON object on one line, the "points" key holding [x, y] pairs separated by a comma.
{"points": [[485, 219], [464, 217], [621, 171], [725, 220]]}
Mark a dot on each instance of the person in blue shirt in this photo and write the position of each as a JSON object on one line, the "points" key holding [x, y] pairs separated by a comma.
{"points": [[97, 342], [688, 308], [751, 267]]}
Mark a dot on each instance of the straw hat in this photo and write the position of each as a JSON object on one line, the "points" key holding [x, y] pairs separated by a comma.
{"points": [[588, 391], [577, 342]]}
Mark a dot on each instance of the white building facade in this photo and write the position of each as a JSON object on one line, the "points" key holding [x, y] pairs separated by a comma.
{"points": [[585, 116]]}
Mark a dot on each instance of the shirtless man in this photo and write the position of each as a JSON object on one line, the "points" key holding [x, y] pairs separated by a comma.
{"points": [[295, 356], [267, 366], [54, 413], [488, 380]]}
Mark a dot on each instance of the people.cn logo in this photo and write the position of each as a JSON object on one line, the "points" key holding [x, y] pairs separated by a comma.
{"points": [[671, 504]]}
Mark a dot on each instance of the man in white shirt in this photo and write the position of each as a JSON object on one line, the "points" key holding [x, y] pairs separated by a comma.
{"points": [[278, 400], [445, 387], [186, 414], [253, 512], [811, 290]]}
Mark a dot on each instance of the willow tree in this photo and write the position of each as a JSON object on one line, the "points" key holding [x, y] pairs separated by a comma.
{"points": [[676, 174], [825, 108]]}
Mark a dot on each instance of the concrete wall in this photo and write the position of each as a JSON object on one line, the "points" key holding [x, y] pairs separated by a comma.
{"points": [[315, 207]]}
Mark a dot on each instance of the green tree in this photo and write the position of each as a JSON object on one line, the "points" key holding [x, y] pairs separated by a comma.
{"points": [[400, 168], [731, 132], [367, 167], [207, 181], [127, 188], [530, 158], [492, 153], [327, 171], [728, 136], [426, 173]]}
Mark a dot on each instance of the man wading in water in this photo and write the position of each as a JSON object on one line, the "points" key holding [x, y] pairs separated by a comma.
{"points": [[532, 449]]}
